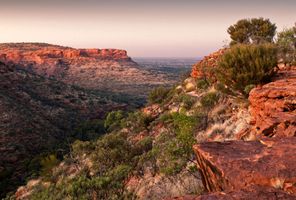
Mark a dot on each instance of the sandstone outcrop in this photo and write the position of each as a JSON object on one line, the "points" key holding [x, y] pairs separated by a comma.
{"points": [[273, 106], [204, 68], [110, 70], [254, 192], [234, 165]]}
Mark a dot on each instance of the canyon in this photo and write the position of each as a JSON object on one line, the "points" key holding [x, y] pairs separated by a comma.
{"points": [[110, 70], [50, 93], [242, 148]]}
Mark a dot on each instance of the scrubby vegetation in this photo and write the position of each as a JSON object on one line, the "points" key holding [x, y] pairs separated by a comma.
{"points": [[286, 43], [157, 95], [109, 152], [245, 65]]}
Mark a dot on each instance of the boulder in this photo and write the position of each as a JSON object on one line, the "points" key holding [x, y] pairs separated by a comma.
{"points": [[254, 192], [235, 165], [190, 84]]}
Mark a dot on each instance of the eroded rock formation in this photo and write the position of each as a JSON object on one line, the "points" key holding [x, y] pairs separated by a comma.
{"points": [[254, 192], [235, 165], [109, 70], [273, 106]]}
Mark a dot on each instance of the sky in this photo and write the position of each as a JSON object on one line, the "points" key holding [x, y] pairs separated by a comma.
{"points": [[145, 28]]}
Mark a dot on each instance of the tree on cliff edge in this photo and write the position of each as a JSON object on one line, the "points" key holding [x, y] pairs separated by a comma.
{"points": [[252, 31]]}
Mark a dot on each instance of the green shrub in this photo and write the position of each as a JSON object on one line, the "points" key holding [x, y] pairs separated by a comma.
{"points": [[202, 84], [186, 101], [166, 117], [47, 163], [175, 148], [138, 121], [114, 120], [89, 130], [244, 65], [209, 99], [248, 88], [158, 95], [286, 43]]}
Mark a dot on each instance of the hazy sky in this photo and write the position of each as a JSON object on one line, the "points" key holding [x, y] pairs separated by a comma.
{"points": [[176, 28]]}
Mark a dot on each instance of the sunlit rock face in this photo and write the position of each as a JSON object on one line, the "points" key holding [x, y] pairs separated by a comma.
{"points": [[103, 69], [273, 106]]}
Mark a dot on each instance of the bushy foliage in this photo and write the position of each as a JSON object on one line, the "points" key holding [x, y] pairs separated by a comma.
{"points": [[186, 101], [244, 65], [286, 42], [174, 150], [89, 130], [114, 120], [158, 95], [209, 100], [47, 163], [114, 156], [138, 121], [202, 84], [252, 31]]}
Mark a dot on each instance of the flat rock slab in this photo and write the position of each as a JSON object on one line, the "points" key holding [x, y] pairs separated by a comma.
{"points": [[254, 193], [235, 165]]}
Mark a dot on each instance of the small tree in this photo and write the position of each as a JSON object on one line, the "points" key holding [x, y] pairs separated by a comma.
{"points": [[114, 120], [252, 31], [245, 65], [286, 42]]}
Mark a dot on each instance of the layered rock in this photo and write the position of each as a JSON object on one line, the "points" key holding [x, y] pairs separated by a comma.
{"points": [[234, 165], [254, 192], [273, 106], [109, 70]]}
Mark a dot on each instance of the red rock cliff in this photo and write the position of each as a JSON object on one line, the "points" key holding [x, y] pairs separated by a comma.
{"points": [[39, 53], [103, 69]]}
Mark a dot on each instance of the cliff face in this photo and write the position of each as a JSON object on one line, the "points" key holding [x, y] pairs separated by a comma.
{"points": [[100, 69]]}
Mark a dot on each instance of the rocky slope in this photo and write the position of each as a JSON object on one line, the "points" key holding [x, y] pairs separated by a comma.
{"points": [[265, 164], [233, 158], [37, 115], [101, 69]]}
